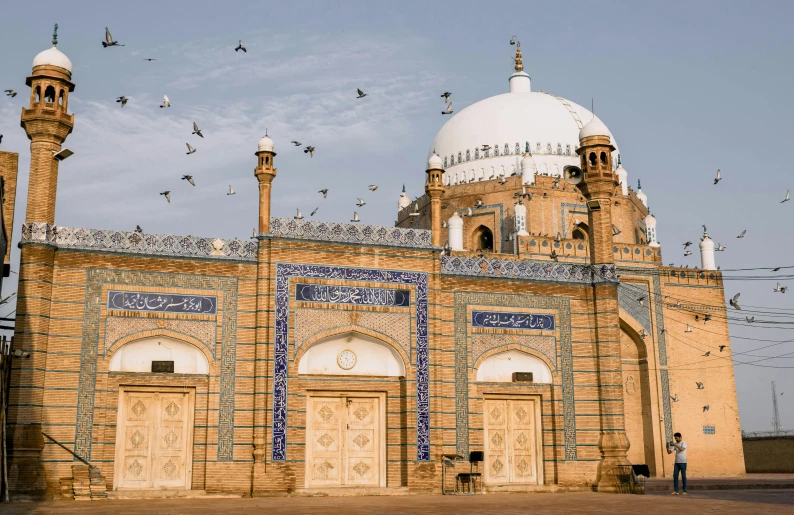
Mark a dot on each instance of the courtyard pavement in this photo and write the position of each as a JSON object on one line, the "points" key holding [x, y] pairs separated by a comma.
{"points": [[756, 502]]}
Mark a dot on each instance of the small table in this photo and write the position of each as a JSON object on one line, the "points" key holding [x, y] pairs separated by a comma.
{"points": [[450, 461]]}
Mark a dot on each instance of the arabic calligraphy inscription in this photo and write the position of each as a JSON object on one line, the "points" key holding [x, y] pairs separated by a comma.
{"points": [[162, 302], [506, 320]]}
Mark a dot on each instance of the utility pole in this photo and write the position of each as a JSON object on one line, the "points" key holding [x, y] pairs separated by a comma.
{"points": [[775, 413]]}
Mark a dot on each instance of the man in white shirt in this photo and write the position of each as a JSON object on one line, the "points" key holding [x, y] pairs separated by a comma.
{"points": [[679, 446]]}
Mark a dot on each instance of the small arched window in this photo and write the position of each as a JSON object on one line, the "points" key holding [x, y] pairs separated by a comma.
{"points": [[559, 149], [49, 95], [60, 98], [518, 148], [548, 148], [507, 149], [592, 158], [468, 155], [38, 94], [603, 158], [482, 238], [568, 149], [476, 153], [267, 159], [578, 234], [496, 150]]}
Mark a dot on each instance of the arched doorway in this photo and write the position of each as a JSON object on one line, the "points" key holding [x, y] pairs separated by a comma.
{"points": [[482, 239], [637, 398]]}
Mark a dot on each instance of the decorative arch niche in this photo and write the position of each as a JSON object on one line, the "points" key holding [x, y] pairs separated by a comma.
{"points": [[137, 356], [370, 357], [499, 368], [482, 239]]}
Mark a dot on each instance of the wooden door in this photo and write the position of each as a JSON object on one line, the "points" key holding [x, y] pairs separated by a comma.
{"points": [[511, 454], [324, 446], [361, 449], [343, 441], [154, 439]]}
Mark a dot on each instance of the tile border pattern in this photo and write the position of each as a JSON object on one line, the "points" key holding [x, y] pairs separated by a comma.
{"points": [[463, 366], [284, 272], [89, 351], [528, 269], [350, 233]]}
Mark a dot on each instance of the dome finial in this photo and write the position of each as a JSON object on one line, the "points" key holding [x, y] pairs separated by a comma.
{"points": [[619, 162], [639, 186], [519, 62], [403, 188], [55, 36]]}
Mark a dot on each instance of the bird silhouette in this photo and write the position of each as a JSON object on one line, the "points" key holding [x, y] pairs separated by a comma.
{"points": [[718, 178], [138, 229], [687, 253], [324, 192], [240, 47], [699, 385], [749, 320], [10, 93], [720, 247], [355, 217], [231, 190], [309, 150], [122, 100], [674, 398], [189, 178], [197, 131], [687, 244], [788, 196], [445, 95], [299, 215], [705, 408], [780, 289], [109, 40], [190, 150], [361, 94], [615, 230], [315, 211], [707, 354], [166, 102], [722, 347], [167, 195], [360, 202], [373, 187], [735, 302], [776, 269], [742, 234], [448, 110], [150, 59]]}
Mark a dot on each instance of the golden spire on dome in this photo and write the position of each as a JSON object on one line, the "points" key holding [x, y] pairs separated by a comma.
{"points": [[519, 63]]}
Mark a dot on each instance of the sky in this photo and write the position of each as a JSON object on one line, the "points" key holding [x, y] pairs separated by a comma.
{"points": [[685, 87]]}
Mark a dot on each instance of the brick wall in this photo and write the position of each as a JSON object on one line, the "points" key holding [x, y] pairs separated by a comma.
{"points": [[769, 454]]}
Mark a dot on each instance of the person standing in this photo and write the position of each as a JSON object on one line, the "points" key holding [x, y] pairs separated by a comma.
{"points": [[679, 446]]}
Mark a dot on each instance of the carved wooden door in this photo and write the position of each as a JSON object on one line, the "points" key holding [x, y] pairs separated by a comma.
{"points": [[343, 441], [153, 439], [137, 425], [510, 441], [361, 449], [324, 449]]}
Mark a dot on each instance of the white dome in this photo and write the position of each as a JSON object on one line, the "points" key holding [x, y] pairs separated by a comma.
{"points": [[594, 128], [265, 144], [640, 195], [549, 125], [53, 57], [455, 220], [435, 163], [527, 162]]}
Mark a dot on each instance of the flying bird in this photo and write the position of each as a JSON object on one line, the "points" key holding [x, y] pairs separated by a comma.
{"points": [[687, 253], [445, 95], [231, 190], [687, 244], [750, 320], [167, 195], [742, 234], [722, 347], [355, 217], [641, 300], [189, 178], [197, 131], [190, 150], [324, 192], [315, 211], [360, 202], [699, 385], [296, 143], [503, 180], [780, 289], [788, 193], [615, 230], [718, 178], [150, 59], [1, 138], [554, 255], [138, 229], [486, 148], [299, 215], [240, 47], [122, 100], [720, 247], [166, 102], [448, 110], [705, 408], [707, 354], [776, 269], [11, 93], [109, 40], [674, 399], [361, 94], [468, 211], [309, 150], [373, 187], [735, 302]]}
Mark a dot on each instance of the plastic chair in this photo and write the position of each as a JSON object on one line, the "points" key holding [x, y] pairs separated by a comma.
{"points": [[473, 475]]}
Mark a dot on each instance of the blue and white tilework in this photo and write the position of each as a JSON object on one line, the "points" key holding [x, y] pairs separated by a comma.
{"points": [[528, 269], [350, 233], [286, 271]]}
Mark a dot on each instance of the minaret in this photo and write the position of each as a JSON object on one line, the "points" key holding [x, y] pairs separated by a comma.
{"points": [[640, 195], [403, 201], [435, 190], [528, 169], [265, 172], [598, 185], [650, 231], [47, 123], [455, 225], [623, 178], [520, 211], [707, 261]]}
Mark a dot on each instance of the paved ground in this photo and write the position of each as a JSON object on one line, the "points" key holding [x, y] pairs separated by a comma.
{"points": [[755, 502]]}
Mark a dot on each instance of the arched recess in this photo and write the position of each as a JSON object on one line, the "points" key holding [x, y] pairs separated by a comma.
{"points": [[351, 352], [482, 239], [136, 355], [498, 367], [637, 404]]}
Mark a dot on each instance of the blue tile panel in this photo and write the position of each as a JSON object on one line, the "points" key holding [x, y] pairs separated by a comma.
{"points": [[350, 233], [162, 303], [357, 295], [528, 269], [286, 271], [508, 320]]}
